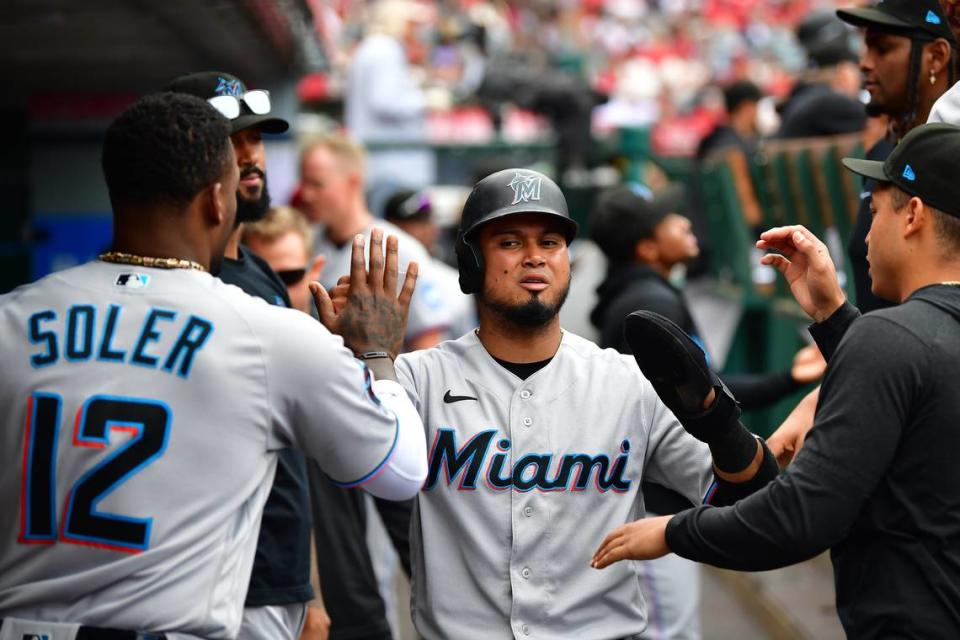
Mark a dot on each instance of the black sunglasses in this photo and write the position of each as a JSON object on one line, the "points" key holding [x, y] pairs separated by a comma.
{"points": [[292, 276]]}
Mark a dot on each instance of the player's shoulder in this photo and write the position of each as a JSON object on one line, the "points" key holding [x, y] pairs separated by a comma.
{"points": [[591, 355], [459, 350]]}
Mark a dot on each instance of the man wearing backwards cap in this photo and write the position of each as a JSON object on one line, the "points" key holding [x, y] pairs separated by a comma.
{"points": [[906, 64], [275, 607], [876, 480]]}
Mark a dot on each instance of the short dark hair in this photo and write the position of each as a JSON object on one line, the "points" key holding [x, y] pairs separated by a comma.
{"points": [[946, 226], [617, 230], [163, 150], [740, 93], [625, 215]]}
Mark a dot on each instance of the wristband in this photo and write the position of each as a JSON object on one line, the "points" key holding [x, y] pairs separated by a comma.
{"points": [[372, 355]]}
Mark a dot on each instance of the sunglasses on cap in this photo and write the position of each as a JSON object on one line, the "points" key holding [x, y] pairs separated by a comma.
{"points": [[292, 276], [258, 101]]}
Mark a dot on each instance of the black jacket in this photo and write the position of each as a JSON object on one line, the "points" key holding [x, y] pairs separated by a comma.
{"points": [[876, 481]]}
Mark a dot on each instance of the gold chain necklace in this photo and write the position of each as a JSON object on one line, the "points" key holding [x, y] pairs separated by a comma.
{"points": [[118, 257]]}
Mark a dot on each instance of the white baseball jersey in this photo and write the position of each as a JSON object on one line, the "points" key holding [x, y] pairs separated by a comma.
{"points": [[526, 478], [143, 409], [428, 310]]}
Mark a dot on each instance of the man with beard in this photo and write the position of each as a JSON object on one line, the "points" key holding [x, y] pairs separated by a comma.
{"points": [[540, 439], [280, 584], [146, 401], [907, 64]]}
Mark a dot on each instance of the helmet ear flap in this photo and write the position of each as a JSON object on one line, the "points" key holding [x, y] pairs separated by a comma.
{"points": [[470, 265]]}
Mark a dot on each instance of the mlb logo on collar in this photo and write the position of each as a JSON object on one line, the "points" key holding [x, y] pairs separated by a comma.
{"points": [[132, 280]]}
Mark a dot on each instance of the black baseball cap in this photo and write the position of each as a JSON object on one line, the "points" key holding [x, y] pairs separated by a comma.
{"points": [[209, 84], [408, 205], [826, 39], [625, 215], [922, 165], [918, 19]]}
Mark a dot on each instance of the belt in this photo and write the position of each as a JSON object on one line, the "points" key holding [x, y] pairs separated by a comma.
{"points": [[102, 633], [99, 633]]}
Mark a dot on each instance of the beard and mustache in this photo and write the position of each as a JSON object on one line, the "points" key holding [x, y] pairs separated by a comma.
{"points": [[532, 314], [253, 210]]}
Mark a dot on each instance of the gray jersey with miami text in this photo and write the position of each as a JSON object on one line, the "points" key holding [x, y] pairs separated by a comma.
{"points": [[526, 479], [143, 409]]}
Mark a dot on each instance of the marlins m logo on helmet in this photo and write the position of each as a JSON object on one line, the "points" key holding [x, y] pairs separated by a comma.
{"points": [[526, 187]]}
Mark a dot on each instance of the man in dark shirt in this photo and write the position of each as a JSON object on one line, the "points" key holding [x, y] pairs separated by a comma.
{"points": [[876, 480], [907, 63], [643, 239], [275, 608], [740, 100]]}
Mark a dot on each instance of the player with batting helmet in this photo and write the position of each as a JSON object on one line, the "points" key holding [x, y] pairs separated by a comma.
{"points": [[538, 440]]}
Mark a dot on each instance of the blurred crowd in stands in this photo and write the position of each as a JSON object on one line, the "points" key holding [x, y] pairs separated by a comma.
{"points": [[517, 67]]}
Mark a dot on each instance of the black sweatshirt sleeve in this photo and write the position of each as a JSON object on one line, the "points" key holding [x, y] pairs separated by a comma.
{"points": [[758, 390], [830, 332], [864, 402]]}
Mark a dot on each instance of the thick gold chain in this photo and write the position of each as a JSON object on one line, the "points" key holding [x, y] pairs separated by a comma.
{"points": [[119, 257]]}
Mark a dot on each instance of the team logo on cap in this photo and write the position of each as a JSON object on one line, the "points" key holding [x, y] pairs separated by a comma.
{"points": [[909, 174], [228, 87], [526, 187], [933, 18]]}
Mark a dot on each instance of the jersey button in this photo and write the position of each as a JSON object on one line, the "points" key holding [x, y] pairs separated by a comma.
{"points": [[526, 572], [525, 629], [527, 422], [525, 393], [528, 511]]}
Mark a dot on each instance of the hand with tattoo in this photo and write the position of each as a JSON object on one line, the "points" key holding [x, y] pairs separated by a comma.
{"points": [[369, 315]]}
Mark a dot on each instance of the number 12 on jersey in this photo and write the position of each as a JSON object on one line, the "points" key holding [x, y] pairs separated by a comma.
{"points": [[148, 422]]}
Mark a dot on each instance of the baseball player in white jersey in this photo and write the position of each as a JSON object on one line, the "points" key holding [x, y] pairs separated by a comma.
{"points": [[146, 400], [538, 440]]}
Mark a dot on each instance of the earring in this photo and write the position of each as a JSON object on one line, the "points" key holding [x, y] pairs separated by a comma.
{"points": [[933, 77]]}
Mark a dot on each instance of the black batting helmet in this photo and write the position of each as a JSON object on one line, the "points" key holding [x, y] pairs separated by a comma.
{"points": [[505, 193]]}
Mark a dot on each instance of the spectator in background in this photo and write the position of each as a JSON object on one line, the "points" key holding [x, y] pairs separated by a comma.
{"points": [[332, 179], [412, 211], [740, 128], [644, 239], [824, 101], [907, 63], [284, 239], [384, 104]]}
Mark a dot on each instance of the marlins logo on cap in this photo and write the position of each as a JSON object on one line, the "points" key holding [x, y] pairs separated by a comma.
{"points": [[526, 187], [227, 87]]}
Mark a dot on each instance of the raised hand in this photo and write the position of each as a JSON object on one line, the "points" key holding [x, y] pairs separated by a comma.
{"points": [[808, 365], [374, 316], [805, 262], [644, 539], [785, 443]]}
